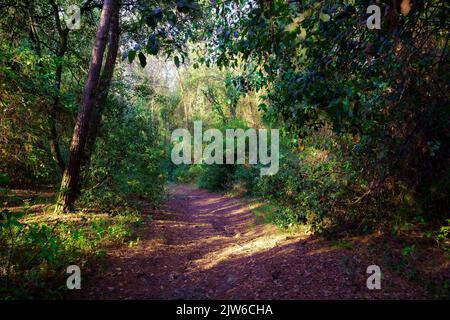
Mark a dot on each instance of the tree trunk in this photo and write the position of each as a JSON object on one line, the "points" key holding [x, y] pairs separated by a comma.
{"points": [[103, 89], [62, 50], [71, 177]]}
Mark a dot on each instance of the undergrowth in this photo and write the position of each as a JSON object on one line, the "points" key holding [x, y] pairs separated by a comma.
{"points": [[37, 247]]}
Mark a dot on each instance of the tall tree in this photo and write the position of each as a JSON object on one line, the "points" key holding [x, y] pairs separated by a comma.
{"points": [[61, 51], [103, 88], [71, 177]]}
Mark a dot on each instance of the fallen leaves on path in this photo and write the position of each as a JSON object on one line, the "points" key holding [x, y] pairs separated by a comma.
{"points": [[208, 246]]}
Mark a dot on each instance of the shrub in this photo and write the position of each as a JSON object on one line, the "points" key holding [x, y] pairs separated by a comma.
{"points": [[216, 177], [310, 184], [187, 173], [244, 179], [127, 163], [35, 255]]}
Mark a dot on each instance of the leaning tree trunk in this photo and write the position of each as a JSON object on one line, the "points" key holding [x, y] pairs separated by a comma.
{"points": [[103, 89], [70, 180]]}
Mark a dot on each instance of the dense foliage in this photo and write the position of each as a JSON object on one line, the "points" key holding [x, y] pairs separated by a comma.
{"points": [[363, 115], [385, 92]]}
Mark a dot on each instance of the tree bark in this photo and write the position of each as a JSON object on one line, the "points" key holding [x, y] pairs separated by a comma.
{"points": [[71, 177], [103, 88]]}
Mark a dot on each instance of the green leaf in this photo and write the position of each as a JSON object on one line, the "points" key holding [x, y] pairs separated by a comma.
{"points": [[4, 179], [302, 34], [346, 105], [153, 45], [131, 56], [185, 6], [153, 17], [177, 61], [18, 215], [262, 107], [295, 23], [406, 251], [172, 18], [142, 60], [324, 17]]}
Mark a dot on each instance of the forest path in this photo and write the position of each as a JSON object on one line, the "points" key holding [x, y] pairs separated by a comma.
{"points": [[208, 246]]}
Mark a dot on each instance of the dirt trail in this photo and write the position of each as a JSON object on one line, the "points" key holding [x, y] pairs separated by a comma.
{"points": [[208, 246]]}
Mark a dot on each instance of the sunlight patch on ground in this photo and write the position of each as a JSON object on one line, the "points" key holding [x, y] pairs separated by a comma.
{"points": [[244, 249], [322, 250], [203, 202], [77, 217], [182, 225]]}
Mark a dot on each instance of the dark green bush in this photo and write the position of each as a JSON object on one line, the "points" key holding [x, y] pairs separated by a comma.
{"points": [[186, 173], [245, 179], [216, 177], [311, 183], [128, 162]]}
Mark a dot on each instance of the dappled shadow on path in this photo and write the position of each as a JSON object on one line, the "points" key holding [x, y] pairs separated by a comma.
{"points": [[208, 246]]}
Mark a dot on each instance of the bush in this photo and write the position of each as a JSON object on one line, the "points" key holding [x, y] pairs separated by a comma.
{"points": [[127, 163], [236, 177], [35, 255], [24, 94], [245, 179], [216, 177], [311, 183], [186, 173]]}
